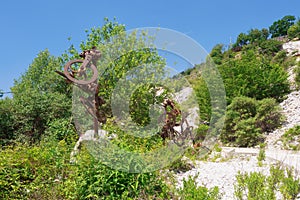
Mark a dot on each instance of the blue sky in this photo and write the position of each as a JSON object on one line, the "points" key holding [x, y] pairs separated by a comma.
{"points": [[28, 27]]}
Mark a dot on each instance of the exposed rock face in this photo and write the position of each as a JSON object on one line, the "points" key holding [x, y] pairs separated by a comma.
{"points": [[290, 106], [292, 48], [182, 97], [291, 110]]}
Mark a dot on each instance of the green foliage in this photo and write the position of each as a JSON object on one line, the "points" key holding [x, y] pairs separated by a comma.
{"points": [[44, 172], [280, 27], [200, 133], [270, 47], [241, 40], [180, 165], [256, 186], [254, 76], [203, 98], [254, 36], [217, 54], [261, 154], [291, 138], [240, 119], [142, 99], [132, 143], [297, 75], [6, 122], [257, 36], [34, 172], [283, 60], [40, 95], [191, 191], [41, 77], [290, 187], [294, 31], [247, 119], [95, 181], [254, 183], [268, 116], [34, 110], [61, 129]]}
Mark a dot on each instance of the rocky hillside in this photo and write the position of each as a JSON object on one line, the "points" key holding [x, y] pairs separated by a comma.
{"points": [[221, 168], [290, 106]]}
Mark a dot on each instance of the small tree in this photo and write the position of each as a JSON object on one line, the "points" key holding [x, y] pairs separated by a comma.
{"points": [[39, 97], [280, 27], [247, 119], [217, 54], [294, 31]]}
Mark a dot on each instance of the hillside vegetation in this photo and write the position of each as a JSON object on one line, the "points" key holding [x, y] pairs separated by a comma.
{"points": [[255, 75]]}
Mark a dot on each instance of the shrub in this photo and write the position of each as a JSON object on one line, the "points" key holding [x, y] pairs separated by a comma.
{"points": [[270, 47], [95, 181], [254, 76], [61, 129], [203, 98], [294, 31], [268, 116], [255, 185], [44, 172], [290, 187], [291, 138], [6, 122], [297, 75], [239, 128], [247, 119], [191, 191], [34, 172]]}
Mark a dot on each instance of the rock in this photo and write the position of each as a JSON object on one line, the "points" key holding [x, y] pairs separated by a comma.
{"points": [[89, 135]]}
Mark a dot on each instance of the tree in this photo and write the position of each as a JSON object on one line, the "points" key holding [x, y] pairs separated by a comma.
{"points": [[280, 27], [40, 96], [294, 31], [258, 36], [242, 39], [217, 53], [6, 122], [254, 76]]}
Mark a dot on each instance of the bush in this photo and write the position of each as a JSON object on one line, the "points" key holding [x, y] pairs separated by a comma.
{"points": [[97, 181], [297, 75], [268, 116], [191, 191], [44, 172], [6, 122], [61, 129], [34, 172], [294, 31], [257, 186], [203, 98], [291, 138], [254, 76], [247, 119], [239, 129], [290, 187], [270, 47]]}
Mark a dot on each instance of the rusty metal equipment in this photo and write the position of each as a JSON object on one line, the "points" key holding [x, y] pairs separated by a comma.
{"points": [[76, 72]]}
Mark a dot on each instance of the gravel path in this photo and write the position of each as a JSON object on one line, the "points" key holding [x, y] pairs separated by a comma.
{"points": [[222, 174]]}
